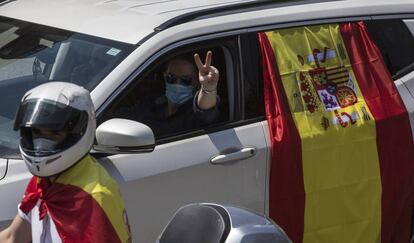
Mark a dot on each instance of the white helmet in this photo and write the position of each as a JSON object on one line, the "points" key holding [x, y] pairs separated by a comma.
{"points": [[55, 106]]}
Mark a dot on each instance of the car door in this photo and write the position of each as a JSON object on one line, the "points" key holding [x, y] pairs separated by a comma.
{"points": [[224, 162]]}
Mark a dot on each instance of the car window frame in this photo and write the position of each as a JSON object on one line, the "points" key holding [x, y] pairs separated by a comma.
{"points": [[159, 57], [402, 18]]}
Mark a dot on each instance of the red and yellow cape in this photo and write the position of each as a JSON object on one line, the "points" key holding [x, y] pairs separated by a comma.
{"points": [[84, 203]]}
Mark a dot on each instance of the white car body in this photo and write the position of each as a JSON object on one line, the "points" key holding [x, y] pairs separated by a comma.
{"points": [[179, 172]]}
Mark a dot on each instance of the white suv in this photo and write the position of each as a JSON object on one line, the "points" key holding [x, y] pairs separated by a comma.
{"points": [[118, 49]]}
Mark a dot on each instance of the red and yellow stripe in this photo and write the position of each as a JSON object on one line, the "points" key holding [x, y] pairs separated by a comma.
{"points": [[342, 151], [84, 203], [96, 204]]}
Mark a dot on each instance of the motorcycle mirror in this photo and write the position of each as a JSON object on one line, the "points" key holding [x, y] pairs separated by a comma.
{"points": [[214, 223]]}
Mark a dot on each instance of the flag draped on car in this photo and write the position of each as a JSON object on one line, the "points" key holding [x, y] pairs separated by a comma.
{"points": [[342, 149], [84, 204]]}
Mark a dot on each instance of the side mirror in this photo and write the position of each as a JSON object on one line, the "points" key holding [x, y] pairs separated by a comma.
{"points": [[124, 136]]}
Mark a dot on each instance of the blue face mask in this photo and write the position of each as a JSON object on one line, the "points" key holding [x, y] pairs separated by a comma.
{"points": [[178, 93]]}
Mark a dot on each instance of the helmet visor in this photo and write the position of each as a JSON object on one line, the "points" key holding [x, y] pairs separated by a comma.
{"points": [[51, 115], [44, 113]]}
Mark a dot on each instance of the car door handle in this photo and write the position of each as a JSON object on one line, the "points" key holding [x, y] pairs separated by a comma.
{"points": [[243, 153]]}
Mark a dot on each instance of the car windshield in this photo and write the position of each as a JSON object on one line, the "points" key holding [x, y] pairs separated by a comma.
{"points": [[32, 54]]}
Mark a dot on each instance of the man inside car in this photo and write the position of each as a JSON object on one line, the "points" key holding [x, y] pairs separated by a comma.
{"points": [[190, 98]]}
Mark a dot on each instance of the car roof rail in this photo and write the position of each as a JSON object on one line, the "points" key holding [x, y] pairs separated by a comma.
{"points": [[4, 2], [233, 8]]}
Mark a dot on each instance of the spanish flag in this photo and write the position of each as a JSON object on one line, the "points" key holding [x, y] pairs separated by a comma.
{"points": [[342, 149], [84, 203]]}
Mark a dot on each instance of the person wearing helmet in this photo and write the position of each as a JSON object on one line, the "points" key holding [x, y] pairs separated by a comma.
{"points": [[70, 197]]}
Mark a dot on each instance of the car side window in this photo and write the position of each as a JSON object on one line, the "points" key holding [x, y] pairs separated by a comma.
{"points": [[169, 96], [252, 76], [395, 40]]}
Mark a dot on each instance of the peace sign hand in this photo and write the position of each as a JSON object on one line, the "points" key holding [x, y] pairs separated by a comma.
{"points": [[208, 75]]}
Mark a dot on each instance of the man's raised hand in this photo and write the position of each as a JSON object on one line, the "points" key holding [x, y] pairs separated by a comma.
{"points": [[208, 75]]}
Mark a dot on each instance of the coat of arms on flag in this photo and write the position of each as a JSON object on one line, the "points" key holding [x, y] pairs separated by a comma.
{"points": [[333, 87]]}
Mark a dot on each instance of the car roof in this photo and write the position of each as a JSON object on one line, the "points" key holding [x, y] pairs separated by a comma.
{"points": [[128, 21], [122, 20]]}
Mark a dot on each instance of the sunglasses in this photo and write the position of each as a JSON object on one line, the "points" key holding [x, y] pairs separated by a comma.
{"points": [[172, 78]]}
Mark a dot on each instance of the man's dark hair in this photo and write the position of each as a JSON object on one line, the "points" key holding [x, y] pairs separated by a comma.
{"points": [[187, 57]]}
